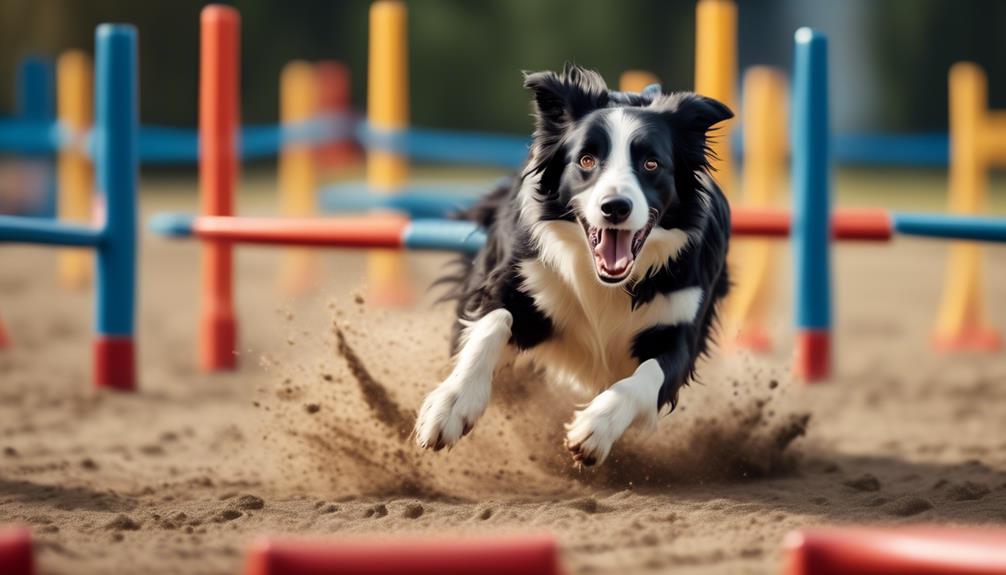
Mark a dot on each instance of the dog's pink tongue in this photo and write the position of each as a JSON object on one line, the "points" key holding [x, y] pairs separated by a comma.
{"points": [[615, 249]]}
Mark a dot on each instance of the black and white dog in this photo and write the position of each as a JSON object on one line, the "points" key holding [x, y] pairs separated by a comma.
{"points": [[604, 262]]}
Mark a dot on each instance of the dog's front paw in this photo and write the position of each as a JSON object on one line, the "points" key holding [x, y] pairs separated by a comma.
{"points": [[595, 428], [449, 413]]}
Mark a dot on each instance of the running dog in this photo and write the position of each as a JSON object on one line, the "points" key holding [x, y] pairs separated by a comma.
{"points": [[604, 261]]}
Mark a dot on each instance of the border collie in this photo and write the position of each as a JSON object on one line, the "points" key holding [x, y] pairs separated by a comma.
{"points": [[604, 261]]}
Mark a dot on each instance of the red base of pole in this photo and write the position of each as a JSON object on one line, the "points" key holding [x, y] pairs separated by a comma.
{"points": [[115, 363], [218, 341], [813, 355], [498, 556], [897, 551], [16, 556], [4, 340], [984, 340]]}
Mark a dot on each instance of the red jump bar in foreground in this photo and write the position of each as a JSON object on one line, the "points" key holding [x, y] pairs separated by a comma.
{"points": [[531, 555], [896, 551]]}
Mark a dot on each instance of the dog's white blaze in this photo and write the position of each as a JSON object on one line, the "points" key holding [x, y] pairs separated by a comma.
{"points": [[596, 427], [618, 178], [463, 396], [594, 323]]}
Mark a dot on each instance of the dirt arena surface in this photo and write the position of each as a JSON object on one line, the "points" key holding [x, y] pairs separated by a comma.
{"points": [[311, 435]]}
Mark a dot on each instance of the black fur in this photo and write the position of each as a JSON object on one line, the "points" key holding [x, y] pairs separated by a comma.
{"points": [[681, 195]]}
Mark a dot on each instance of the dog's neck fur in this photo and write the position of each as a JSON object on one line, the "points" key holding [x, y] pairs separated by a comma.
{"points": [[592, 319]]}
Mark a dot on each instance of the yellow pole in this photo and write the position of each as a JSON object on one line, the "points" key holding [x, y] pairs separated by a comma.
{"points": [[74, 170], [298, 104], [960, 324], [388, 110], [994, 140], [716, 71], [636, 80], [765, 147]]}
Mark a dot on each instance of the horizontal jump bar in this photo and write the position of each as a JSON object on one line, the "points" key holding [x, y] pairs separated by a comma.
{"points": [[853, 225], [16, 229], [415, 200], [398, 232], [951, 227], [377, 231], [383, 231]]}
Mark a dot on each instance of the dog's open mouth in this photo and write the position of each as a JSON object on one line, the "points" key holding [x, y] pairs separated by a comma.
{"points": [[615, 250]]}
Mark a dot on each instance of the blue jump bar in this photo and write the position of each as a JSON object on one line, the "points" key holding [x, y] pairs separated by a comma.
{"points": [[444, 235], [15, 229], [171, 225], [951, 227], [418, 201]]}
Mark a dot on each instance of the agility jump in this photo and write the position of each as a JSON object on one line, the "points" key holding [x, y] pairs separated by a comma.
{"points": [[812, 223], [114, 240]]}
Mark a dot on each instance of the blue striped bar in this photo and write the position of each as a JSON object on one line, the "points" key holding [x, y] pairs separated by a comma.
{"points": [[444, 235], [951, 227]]}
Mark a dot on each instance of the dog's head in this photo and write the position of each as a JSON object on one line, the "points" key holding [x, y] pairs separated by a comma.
{"points": [[619, 163]]}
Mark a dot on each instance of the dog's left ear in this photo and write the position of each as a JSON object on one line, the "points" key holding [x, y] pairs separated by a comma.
{"points": [[562, 98], [693, 119]]}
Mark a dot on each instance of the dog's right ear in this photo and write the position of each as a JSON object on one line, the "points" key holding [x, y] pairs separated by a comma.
{"points": [[563, 98]]}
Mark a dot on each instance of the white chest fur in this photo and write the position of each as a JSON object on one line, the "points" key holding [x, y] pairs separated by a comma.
{"points": [[594, 324]]}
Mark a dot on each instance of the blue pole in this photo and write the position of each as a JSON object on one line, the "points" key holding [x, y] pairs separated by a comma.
{"points": [[812, 203], [117, 163], [35, 103]]}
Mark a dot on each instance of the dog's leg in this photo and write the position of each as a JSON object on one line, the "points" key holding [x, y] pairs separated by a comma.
{"points": [[452, 409], [595, 428], [667, 354]]}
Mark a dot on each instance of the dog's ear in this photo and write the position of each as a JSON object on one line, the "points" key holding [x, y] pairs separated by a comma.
{"points": [[563, 98], [693, 119]]}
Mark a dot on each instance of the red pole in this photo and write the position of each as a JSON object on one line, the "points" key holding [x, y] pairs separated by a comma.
{"points": [[4, 340], [334, 99], [218, 123]]}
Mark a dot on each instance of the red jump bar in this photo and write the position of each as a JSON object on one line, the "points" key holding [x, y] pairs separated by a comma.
{"points": [[855, 225], [383, 231]]}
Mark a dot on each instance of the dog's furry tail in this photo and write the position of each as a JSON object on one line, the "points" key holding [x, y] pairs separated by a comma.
{"points": [[484, 213], [485, 210]]}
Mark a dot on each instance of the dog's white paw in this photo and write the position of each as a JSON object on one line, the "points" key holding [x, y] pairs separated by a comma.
{"points": [[450, 412], [595, 428]]}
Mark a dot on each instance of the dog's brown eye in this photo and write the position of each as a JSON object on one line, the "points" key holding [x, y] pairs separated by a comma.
{"points": [[588, 162], [650, 165]]}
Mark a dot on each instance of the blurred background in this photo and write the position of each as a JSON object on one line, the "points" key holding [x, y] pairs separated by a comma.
{"points": [[889, 59]]}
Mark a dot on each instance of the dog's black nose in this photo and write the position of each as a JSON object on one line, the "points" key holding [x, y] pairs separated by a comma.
{"points": [[616, 209]]}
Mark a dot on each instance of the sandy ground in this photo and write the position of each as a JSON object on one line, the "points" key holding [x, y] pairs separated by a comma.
{"points": [[310, 436]]}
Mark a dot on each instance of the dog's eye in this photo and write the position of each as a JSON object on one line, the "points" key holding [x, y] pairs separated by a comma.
{"points": [[588, 162], [651, 165]]}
